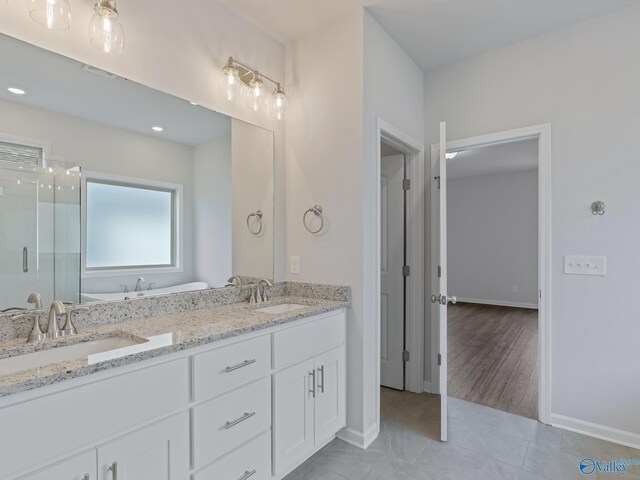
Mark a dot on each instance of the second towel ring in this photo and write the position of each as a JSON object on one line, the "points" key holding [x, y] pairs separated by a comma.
{"points": [[258, 215], [317, 210]]}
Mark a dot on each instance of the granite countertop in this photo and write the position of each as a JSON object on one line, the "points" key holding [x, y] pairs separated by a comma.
{"points": [[160, 335]]}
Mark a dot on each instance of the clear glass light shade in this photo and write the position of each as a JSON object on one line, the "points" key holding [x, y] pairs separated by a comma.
{"points": [[257, 97], [105, 31], [52, 14], [279, 103], [230, 86]]}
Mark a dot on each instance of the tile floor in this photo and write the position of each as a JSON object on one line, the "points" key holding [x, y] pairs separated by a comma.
{"points": [[484, 444]]}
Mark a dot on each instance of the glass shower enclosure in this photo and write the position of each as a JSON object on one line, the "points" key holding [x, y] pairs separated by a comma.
{"points": [[40, 233]]}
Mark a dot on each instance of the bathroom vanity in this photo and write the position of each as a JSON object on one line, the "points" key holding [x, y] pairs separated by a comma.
{"points": [[239, 392]]}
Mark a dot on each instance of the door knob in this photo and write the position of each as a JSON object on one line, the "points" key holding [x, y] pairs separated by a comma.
{"points": [[443, 299]]}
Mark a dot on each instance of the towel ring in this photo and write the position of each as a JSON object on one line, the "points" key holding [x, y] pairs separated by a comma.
{"points": [[317, 210], [258, 215]]}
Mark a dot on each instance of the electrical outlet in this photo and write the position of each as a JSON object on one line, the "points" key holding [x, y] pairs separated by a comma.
{"points": [[295, 265], [514, 288], [581, 265]]}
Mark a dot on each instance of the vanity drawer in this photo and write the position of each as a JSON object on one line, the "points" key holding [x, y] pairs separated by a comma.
{"points": [[251, 461], [304, 341], [224, 423], [226, 368]]}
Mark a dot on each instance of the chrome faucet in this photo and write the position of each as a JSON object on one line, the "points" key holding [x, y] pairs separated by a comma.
{"points": [[139, 284], [235, 281], [36, 299], [262, 290], [53, 327]]}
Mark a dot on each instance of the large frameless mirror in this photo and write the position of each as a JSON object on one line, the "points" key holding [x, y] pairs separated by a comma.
{"points": [[112, 190]]}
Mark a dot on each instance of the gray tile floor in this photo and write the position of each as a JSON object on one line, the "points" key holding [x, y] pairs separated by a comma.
{"points": [[484, 444]]}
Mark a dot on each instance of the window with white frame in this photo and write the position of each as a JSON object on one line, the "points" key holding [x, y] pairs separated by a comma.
{"points": [[130, 225]]}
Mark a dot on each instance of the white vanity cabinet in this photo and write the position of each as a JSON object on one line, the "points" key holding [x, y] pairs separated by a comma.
{"points": [[159, 452], [253, 406], [81, 467], [309, 396]]}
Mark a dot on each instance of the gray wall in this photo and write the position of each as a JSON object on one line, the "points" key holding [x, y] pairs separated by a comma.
{"points": [[492, 228]]}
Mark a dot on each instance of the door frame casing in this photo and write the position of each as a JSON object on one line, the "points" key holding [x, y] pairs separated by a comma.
{"points": [[415, 237], [541, 132]]}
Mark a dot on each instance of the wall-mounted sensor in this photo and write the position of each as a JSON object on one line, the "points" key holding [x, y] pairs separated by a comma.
{"points": [[597, 208]]}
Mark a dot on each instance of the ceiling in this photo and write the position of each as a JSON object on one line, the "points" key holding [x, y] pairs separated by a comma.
{"points": [[59, 84], [433, 32], [494, 159]]}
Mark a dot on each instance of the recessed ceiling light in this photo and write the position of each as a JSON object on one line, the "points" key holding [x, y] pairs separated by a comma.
{"points": [[157, 128], [194, 104], [16, 91], [451, 155]]}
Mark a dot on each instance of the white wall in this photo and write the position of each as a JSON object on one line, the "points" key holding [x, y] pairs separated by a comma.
{"points": [[179, 49], [331, 161], [492, 238], [584, 80], [212, 202]]}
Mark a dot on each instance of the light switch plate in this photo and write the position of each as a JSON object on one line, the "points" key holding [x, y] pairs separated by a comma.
{"points": [[581, 265]]}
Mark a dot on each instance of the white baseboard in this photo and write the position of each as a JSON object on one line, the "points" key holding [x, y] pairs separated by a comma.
{"points": [[427, 387], [359, 439], [498, 303], [602, 432]]}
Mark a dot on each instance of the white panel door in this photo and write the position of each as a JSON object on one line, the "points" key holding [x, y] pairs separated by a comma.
{"points": [[80, 467], [391, 276], [159, 452], [330, 405], [440, 298], [293, 422]]}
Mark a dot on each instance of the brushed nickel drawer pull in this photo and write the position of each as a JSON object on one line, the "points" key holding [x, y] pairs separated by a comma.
{"points": [[248, 474], [246, 363], [312, 383], [321, 380], [246, 416], [114, 470]]}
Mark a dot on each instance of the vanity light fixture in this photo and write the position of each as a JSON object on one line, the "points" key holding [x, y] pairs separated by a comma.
{"points": [[105, 31], [16, 91], [52, 14], [157, 128], [236, 76]]}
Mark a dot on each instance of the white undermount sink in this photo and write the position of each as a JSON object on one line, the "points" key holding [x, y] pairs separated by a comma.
{"points": [[65, 353], [281, 308]]}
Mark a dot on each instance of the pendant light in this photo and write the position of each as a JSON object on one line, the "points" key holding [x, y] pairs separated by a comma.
{"points": [[230, 85], [52, 14], [105, 31], [279, 102]]}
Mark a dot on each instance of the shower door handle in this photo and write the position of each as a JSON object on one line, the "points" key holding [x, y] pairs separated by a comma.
{"points": [[25, 259]]}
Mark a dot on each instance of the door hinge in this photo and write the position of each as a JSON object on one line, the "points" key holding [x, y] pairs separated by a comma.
{"points": [[439, 360], [406, 184], [405, 356], [406, 270], [438, 180], [439, 271]]}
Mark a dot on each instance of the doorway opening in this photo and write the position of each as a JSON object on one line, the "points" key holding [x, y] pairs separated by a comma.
{"points": [[496, 331], [492, 261]]}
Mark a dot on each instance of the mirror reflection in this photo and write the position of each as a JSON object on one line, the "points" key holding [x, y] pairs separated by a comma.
{"points": [[112, 190]]}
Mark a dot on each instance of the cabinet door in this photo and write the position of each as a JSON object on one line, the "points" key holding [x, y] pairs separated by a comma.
{"points": [[81, 467], [159, 452], [330, 415], [293, 415]]}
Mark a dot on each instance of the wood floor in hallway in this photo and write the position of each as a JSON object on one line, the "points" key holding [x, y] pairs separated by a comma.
{"points": [[493, 357]]}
